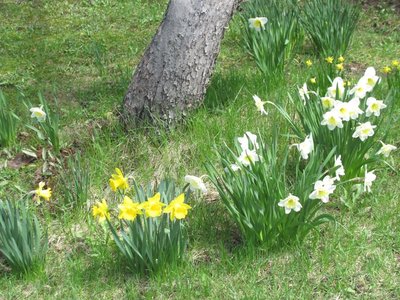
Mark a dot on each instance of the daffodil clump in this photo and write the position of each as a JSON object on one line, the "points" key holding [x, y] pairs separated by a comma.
{"points": [[271, 33], [271, 203], [23, 243], [346, 119], [147, 225]]}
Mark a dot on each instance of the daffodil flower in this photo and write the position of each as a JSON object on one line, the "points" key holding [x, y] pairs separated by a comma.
{"points": [[195, 183], [304, 93], [374, 107], [247, 139], [386, 149], [100, 211], [369, 79], [118, 181], [341, 59], [395, 63], [337, 89], [342, 109], [38, 114], [42, 193], [369, 178], [322, 189], [259, 104], [177, 208], [327, 102], [306, 147], [309, 63], [248, 157], [387, 70], [329, 59], [354, 108], [364, 130], [340, 170], [313, 80], [332, 120], [339, 67], [360, 90], [153, 206], [290, 203], [258, 23], [129, 210]]}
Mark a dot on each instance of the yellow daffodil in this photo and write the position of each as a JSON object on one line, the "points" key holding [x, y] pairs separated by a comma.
{"points": [[340, 59], [387, 70], [395, 63], [329, 59], [41, 193], [339, 67], [129, 210], [313, 80], [118, 181], [153, 207], [177, 208], [309, 63], [100, 211]]}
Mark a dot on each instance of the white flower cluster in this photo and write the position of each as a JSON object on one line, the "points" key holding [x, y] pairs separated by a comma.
{"points": [[342, 111], [248, 144]]}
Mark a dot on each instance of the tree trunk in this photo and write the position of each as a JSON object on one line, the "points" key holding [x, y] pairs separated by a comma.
{"points": [[174, 72]]}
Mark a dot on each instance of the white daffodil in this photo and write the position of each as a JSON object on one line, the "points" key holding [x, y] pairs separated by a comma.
{"points": [[354, 108], [374, 107], [290, 203], [342, 109], [332, 120], [370, 79], [248, 157], [364, 130], [360, 90], [386, 149], [369, 178], [38, 113], [258, 23], [306, 147], [259, 104], [248, 138], [327, 102], [337, 88], [195, 183], [304, 93], [323, 188], [340, 170]]}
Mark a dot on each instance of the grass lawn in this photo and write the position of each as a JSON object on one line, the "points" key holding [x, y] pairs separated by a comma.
{"points": [[81, 55]]}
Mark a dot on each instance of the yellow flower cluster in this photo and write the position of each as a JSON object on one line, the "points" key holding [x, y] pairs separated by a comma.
{"points": [[129, 210], [153, 208]]}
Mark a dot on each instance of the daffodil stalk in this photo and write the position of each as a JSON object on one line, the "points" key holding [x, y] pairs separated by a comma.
{"points": [[48, 122]]}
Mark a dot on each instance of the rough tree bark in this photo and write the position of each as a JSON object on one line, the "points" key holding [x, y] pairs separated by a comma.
{"points": [[174, 72]]}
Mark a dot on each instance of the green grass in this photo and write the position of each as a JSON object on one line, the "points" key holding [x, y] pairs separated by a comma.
{"points": [[83, 53]]}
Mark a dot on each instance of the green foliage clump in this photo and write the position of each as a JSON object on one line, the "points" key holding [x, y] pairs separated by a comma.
{"points": [[330, 24], [22, 242]]}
